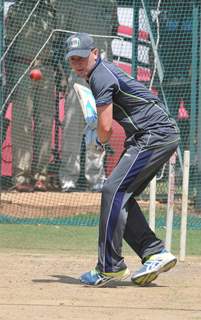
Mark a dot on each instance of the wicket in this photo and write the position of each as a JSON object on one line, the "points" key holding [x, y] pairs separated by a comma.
{"points": [[170, 203]]}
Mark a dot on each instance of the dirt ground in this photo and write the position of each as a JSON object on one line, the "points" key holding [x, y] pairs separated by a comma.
{"points": [[45, 286]]}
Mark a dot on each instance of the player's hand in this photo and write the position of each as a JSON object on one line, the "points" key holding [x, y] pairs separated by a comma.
{"points": [[102, 146]]}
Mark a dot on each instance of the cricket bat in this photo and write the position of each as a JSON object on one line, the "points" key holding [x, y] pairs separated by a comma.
{"points": [[87, 103]]}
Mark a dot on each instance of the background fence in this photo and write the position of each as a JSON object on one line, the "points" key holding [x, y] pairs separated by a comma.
{"points": [[42, 129]]}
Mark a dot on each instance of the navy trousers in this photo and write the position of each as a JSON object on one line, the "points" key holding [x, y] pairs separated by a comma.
{"points": [[121, 216]]}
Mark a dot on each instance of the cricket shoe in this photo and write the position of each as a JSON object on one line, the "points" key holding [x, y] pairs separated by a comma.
{"points": [[99, 279], [153, 266]]}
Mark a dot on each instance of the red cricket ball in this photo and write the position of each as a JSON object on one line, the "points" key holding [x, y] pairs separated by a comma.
{"points": [[35, 74]]}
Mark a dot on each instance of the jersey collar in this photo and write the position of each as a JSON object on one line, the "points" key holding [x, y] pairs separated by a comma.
{"points": [[97, 63]]}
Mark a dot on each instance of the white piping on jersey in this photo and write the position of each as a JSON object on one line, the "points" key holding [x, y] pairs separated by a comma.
{"points": [[133, 96], [159, 145], [156, 104], [112, 74], [109, 72], [129, 118], [149, 137], [128, 94]]}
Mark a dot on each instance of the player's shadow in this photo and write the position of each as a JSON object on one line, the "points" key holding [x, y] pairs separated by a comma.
{"points": [[72, 280], [58, 278]]}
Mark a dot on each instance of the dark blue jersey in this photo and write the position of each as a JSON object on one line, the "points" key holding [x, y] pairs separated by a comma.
{"points": [[135, 108]]}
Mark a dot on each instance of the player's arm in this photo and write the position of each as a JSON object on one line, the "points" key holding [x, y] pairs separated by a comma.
{"points": [[104, 126]]}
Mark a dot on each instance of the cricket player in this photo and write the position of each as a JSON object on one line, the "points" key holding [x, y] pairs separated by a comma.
{"points": [[152, 136]]}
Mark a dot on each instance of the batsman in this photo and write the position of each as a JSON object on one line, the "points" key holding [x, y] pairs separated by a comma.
{"points": [[152, 136]]}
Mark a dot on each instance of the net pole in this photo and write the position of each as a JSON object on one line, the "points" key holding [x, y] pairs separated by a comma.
{"points": [[136, 8], [170, 204], [152, 204], [153, 43], [194, 79], [152, 195], [184, 211], [198, 115]]}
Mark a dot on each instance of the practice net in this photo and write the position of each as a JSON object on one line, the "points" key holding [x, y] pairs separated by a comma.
{"points": [[50, 172]]}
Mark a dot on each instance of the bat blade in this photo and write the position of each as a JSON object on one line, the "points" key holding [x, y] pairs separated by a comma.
{"points": [[87, 103]]}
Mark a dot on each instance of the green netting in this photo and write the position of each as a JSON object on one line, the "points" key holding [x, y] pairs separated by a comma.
{"points": [[193, 222], [43, 145]]}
